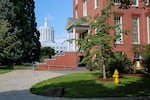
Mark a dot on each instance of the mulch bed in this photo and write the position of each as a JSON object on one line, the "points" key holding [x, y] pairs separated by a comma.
{"points": [[143, 75], [105, 80], [111, 79]]}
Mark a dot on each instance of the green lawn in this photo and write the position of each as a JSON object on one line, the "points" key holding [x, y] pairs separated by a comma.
{"points": [[6, 69], [22, 67], [2, 71], [84, 85]]}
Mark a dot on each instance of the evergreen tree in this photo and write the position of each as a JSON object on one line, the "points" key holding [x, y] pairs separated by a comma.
{"points": [[25, 20], [8, 34], [21, 16]]}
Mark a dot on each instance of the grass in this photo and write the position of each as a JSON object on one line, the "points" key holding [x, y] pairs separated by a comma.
{"points": [[6, 69], [2, 71], [22, 67], [81, 85]]}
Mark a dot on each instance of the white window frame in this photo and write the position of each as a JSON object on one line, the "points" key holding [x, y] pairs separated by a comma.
{"points": [[116, 2], [120, 40], [138, 30], [148, 29], [96, 4], [84, 7], [137, 3]]}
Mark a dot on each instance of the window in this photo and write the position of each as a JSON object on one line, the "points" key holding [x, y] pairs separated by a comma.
{"points": [[135, 31], [95, 4], [118, 29], [76, 13], [76, 2], [137, 55], [116, 2], [84, 7], [148, 2], [135, 3], [148, 28]]}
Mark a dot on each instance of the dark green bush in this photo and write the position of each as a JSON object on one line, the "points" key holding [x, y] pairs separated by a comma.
{"points": [[120, 62], [146, 57], [47, 51]]}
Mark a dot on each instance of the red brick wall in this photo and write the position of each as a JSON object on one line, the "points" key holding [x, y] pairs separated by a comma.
{"points": [[141, 12], [69, 59]]}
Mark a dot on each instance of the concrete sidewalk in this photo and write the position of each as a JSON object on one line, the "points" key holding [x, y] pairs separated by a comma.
{"points": [[15, 86]]}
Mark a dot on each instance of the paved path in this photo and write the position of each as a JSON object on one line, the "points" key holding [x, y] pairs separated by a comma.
{"points": [[15, 86]]}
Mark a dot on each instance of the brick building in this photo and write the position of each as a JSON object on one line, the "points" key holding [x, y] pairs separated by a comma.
{"points": [[136, 19]]}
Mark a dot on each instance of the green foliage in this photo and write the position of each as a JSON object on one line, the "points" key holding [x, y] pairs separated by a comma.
{"points": [[5, 69], [121, 62], [146, 56], [7, 10], [25, 20], [98, 46], [47, 51], [125, 4], [22, 33], [8, 43], [42, 57]]}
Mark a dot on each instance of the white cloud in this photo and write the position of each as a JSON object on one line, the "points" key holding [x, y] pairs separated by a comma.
{"points": [[50, 17]]}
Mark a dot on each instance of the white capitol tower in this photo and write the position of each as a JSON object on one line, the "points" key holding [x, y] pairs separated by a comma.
{"points": [[46, 33], [47, 38]]}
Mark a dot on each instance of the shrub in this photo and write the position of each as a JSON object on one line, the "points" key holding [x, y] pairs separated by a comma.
{"points": [[47, 51], [120, 62], [146, 57]]}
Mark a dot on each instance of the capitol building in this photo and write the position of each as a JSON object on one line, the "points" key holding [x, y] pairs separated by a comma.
{"points": [[47, 38]]}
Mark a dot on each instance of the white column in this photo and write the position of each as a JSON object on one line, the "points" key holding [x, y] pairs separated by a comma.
{"points": [[77, 37], [68, 42], [74, 41]]}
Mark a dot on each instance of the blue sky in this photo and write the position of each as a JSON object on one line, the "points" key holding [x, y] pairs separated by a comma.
{"points": [[57, 12]]}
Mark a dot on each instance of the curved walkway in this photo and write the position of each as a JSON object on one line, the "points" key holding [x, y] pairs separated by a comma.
{"points": [[15, 86]]}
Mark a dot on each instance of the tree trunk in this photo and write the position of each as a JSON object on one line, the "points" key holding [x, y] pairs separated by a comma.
{"points": [[104, 71]]}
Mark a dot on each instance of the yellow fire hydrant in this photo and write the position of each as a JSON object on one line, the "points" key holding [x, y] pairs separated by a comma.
{"points": [[116, 77]]}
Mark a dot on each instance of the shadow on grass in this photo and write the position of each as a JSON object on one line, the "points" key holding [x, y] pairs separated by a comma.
{"points": [[94, 89], [140, 87]]}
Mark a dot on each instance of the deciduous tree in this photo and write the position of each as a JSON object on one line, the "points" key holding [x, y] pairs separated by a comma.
{"points": [[98, 47]]}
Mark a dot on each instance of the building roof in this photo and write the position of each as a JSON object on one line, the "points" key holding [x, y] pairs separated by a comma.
{"points": [[72, 22]]}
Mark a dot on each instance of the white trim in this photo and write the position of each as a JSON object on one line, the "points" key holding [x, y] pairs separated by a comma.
{"points": [[74, 41], [148, 29], [68, 42]]}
